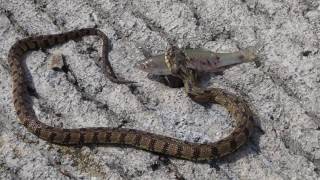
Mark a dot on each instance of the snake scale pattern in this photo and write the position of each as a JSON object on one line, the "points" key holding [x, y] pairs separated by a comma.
{"points": [[123, 136]]}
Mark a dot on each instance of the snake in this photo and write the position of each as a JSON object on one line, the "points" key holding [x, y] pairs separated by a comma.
{"points": [[156, 143]]}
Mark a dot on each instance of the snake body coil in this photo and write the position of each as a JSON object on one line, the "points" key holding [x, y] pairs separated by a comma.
{"points": [[121, 136]]}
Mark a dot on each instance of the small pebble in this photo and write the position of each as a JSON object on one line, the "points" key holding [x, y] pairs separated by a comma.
{"points": [[56, 62]]}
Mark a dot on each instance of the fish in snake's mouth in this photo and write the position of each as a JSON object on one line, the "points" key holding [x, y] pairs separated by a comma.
{"points": [[198, 59]]}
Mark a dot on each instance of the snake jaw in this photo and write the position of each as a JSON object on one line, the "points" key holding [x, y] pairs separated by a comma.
{"points": [[169, 59], [176, 60]]}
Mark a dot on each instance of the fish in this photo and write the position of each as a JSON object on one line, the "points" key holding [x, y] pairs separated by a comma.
{"points": [[200, 60]]}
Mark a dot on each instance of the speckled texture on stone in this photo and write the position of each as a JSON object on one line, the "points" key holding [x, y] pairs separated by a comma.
{"points": [[284, 92]]}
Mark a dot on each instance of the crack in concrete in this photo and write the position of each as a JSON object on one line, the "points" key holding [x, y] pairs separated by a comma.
{"points": [[41, 6], [108, 18], [167, 163], [295, 148], [14, 22], [256, 10], [13, 171], [152, 25], [290, 93], [120, 170], [86, 97], [4, 65], [144, 99], [194, 10]]}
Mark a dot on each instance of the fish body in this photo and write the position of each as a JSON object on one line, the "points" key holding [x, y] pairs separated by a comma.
{"points": [[201, 60]]}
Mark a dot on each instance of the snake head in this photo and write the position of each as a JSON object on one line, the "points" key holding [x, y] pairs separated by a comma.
{"points": [[175, 60]]}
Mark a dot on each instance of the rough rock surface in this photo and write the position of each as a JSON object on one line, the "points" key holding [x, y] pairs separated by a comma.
{"points": [[284, 92]]}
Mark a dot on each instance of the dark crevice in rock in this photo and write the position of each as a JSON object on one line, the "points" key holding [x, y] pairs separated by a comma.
{"points": [[14, 22], [225, 34], [280, 83], [5, 168], [306, 6], [108, 18], [250, 7], [143, 98], [114, 166], [295, 148], [214, 164], [317, 169], [171, 167], [67, 174], [257, 9], [4, 65], [41, 6], [152, 25], [72, 79], [194, 10], [46, 109], [306, 53], [123, 123], [155, 166]]}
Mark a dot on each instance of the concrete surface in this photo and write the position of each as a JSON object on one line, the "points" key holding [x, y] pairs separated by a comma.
{"points": [[284, 92]]}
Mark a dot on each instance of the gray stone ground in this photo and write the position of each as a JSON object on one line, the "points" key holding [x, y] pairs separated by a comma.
{"points": [[284, 92]]}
